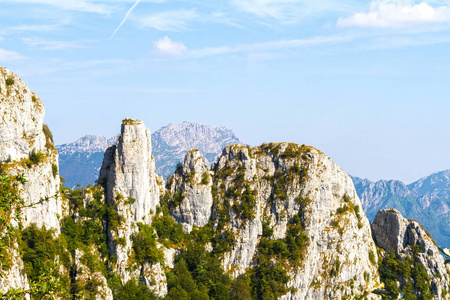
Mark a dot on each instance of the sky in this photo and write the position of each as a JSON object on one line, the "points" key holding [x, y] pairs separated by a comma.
{"points": [[366, 82]]}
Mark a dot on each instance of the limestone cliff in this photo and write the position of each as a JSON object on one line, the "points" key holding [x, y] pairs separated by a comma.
{"points": [[408, 240], [27, 152], [304, 201], [132, 189], [26, 149], [192, 183]]}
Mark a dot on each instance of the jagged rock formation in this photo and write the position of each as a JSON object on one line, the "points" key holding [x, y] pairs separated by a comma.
{"points": [[22, 115], [427, 200], [284, 186], [170, 143], [24, 136], [133, 189], [192, 182], [27, 151], [407, 238], [81, 160]]}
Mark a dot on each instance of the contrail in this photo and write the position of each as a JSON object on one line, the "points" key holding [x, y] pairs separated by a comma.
{"points": [[125, 18]]}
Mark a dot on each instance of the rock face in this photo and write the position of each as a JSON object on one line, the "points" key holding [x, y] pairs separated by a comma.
{"points": [[286, 187], [83, 277], [192, 181], [132, 189], [22, 115], [27, 151], [392, 232], [81, 160], [426, 200], [170, 144]]}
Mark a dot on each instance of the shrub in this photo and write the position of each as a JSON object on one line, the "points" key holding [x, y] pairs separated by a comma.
{"points": [[54, 170], [9, 81], [144, 245]]}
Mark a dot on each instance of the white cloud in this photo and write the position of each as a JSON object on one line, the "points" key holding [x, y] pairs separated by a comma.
{"points": [[168, 20], [8, 56], [398, 14], [168, 47], [45, 44], [74, 5]]}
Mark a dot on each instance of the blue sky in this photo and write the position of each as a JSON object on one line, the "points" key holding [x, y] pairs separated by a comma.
{"points": [[366, 82]]}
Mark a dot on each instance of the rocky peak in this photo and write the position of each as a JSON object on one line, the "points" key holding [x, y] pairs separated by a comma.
{"points": [[22, 115], [290, 196], [407, 238], [436, 184], [191, 183], [132, 189]]}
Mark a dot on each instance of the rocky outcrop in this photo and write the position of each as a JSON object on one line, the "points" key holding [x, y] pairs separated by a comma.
{"points": [[27, 152], [22, 115], [290, 188], [408, 238], [132, 190], [84, 276], [171, 142], [192, 182]]}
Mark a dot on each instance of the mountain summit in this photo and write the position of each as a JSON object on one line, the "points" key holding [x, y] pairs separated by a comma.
{"points": [[170, 143]]}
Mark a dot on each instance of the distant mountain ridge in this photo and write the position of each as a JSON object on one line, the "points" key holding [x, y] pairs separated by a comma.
{"points": [[80, 161], [426, 200], [170, 143]]}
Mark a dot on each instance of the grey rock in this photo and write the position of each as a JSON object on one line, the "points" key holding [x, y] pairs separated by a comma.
{"points": [[133, 189], [392, 232], [193, 180], [322, 190]]}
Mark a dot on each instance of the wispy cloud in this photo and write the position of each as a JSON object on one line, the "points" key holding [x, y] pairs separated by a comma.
{"points": [[7, 56], [168, 47], [398, 14], [288, 11], [125, 18], [168, 20], [45, 44], [271, 46], [36, 27], [74, 5]]}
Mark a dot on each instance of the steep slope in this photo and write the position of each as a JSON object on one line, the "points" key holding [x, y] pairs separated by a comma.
{"points": [[132, 189], [425, 200], [29, 167], [283, 196], [81, 160]]}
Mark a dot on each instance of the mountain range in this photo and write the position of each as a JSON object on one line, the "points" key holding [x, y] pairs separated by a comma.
{"points": [[80, 161], [426, 200], [275, 221]]}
